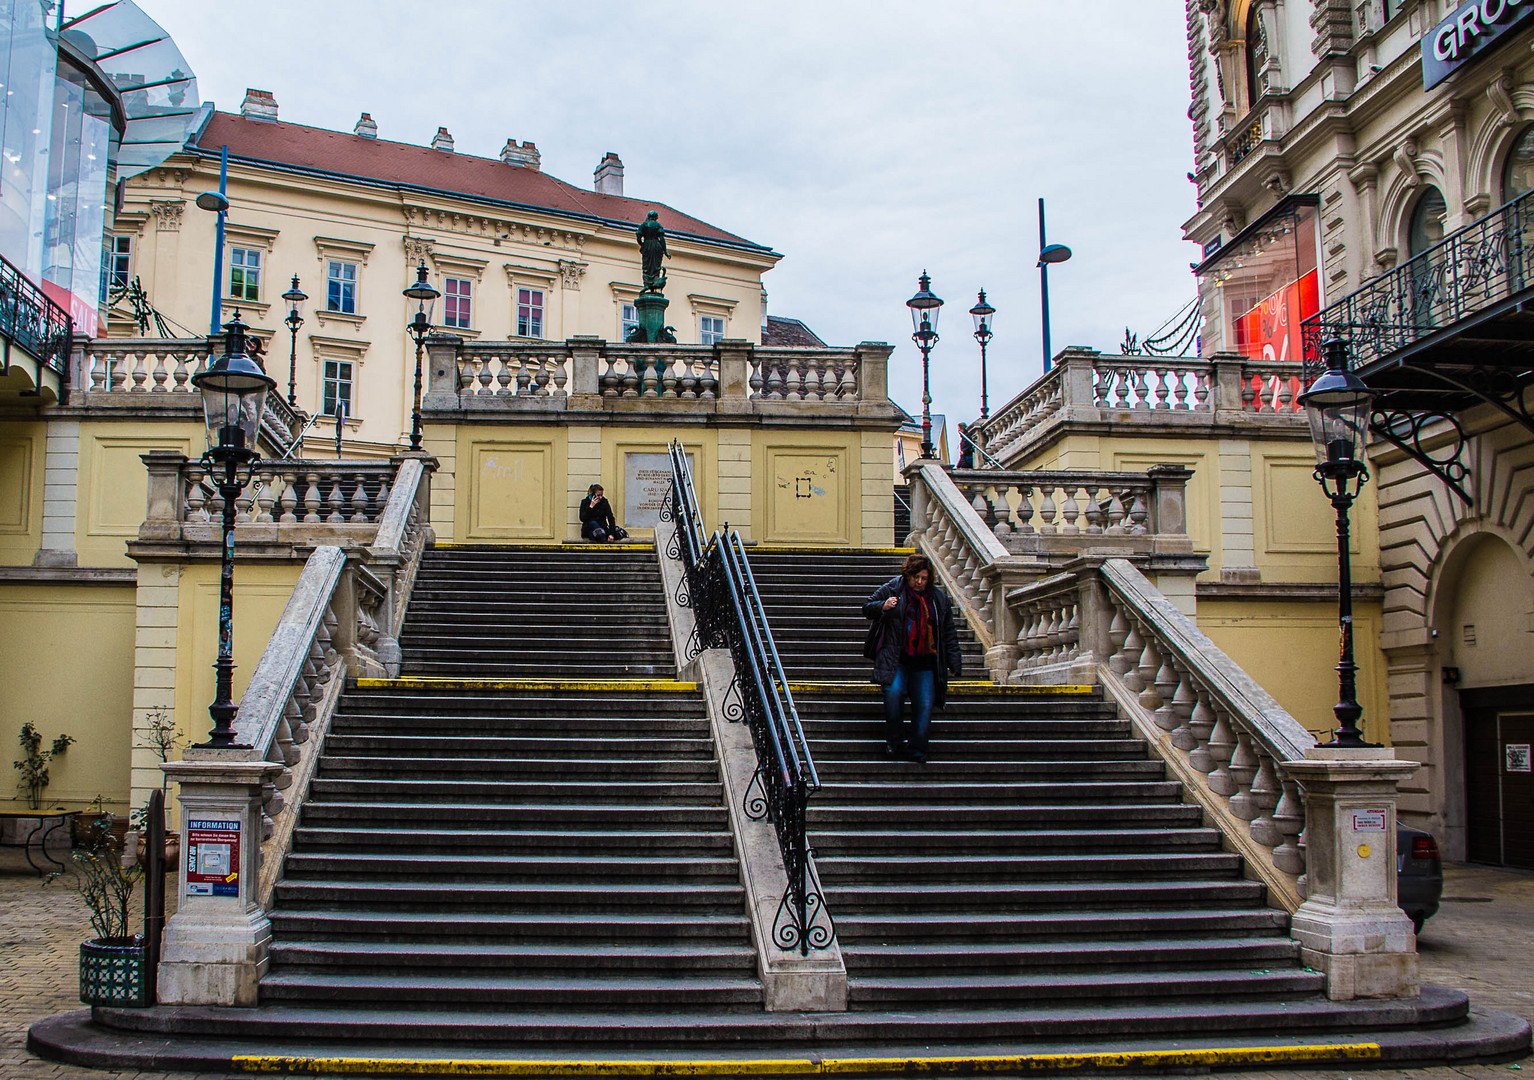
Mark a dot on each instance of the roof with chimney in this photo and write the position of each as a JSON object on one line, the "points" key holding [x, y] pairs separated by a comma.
{"points": [[790, 332], [422, 168]]}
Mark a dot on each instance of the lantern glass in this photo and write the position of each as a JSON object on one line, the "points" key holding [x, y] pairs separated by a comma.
{"points": [[233, 393], [295, 298], [422, 297], [924, 307], [984, 315], [1339, 405]]}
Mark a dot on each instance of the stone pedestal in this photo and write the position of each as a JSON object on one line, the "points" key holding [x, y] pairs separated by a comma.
{"points": [[651, 307], [214, 949], [1349, 926]]}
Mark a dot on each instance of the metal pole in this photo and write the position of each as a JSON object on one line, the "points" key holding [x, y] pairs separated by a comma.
{"points": [[985, 408], [154, 887], [216, 321], [223, 709], [1044, 285], [1347, 708], [927, 449], [293, 365], [415, 414]]}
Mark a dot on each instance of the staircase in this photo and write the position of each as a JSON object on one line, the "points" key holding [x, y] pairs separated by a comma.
{"points": [[518, 847]]}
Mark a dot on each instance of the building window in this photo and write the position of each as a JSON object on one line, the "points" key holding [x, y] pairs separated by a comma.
{"points": [[119, 262], [1518, 173], [710, 329], [458, 301], [628, 321], [338, 387], [244, 273], [341, 286], [1256, 55], [529, 313], [1392, 8], [1427, 223]]}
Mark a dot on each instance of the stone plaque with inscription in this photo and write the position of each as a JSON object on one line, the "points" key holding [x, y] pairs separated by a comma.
{"points": [[646, 480]]}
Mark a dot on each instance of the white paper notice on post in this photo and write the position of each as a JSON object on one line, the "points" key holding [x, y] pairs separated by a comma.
{"points": [[1370, 820], [1517, 757]]}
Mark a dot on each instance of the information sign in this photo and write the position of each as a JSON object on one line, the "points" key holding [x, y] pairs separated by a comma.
{"points": [[212, 857]]}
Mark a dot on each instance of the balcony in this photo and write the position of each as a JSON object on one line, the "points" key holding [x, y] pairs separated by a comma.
{"points": [[30, 320]]}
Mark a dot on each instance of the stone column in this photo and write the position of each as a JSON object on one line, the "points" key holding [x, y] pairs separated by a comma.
{"points": [[1349, 926], [61, 470], [215, 946], [441, 371], [162, 515], [586, 371], [734, 375], [873, 360]]}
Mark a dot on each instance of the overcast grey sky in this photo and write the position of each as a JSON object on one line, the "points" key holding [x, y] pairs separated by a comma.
{"points": [[865, 140]]}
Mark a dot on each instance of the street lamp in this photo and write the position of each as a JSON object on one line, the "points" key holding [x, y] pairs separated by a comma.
{"points": [[924, 311], [295, 298], [1048, 253], [984, 315], [234, 393], [1339, 405], [423, 296]]}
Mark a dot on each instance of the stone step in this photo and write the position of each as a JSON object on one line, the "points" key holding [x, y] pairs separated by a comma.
{"points": [[1159, 985], [1001, 843], [900, 929], [897, 871], [319, 813], [836, 794], [517, 793], [438, 745], [494, 989], [659, 843], [974, 816], [907, 903], [358, 922], [506, 868], [875, 960], [460, 958], [506, 769], [634, 899], [988, 750]]}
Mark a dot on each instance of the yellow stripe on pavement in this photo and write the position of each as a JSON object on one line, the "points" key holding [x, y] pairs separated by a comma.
{"points": [[1206, 1057]]}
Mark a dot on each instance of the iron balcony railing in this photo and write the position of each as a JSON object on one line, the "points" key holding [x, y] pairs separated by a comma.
{"points": [[33, 321], [1484, 265], [728, 613]]}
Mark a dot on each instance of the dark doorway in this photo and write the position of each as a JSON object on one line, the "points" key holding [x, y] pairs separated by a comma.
{"points": [[1499, 774]]}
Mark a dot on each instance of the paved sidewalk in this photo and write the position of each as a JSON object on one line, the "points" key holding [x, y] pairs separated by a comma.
{"points": [[1482, 942]]}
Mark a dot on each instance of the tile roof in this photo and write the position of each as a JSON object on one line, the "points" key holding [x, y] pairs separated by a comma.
{"points": [[378, 160], [790, 332]]}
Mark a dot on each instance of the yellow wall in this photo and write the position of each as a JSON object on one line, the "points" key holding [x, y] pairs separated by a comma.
{"points": [[1290, 648], [113, 485], [22, 458], [69, 670], [1294, 525]]}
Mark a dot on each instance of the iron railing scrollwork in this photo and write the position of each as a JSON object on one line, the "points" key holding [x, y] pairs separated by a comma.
{"points": [[728, 613], [30, 318]]}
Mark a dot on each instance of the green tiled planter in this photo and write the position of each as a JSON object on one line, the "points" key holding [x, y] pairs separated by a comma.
{"points": [[115, 973]]}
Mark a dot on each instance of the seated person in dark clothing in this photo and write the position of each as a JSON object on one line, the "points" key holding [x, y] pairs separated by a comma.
{"points": [[597, 521]]}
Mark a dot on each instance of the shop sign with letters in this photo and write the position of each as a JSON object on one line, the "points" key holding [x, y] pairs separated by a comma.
{"points": [[1468, 34]]}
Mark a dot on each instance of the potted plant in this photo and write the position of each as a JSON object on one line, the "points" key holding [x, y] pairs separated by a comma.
{"points": [[161, 737], [34, 762], [114, 968]]}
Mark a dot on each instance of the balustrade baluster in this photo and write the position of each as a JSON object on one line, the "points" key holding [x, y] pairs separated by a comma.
{"points": [[1069, 511], [1243, 768], [1222, 746], [1184, 700], [160, 374], [1024, 511], [311, 498], [1201, 725], [1248, 392], [1138, 515], [1180, 389], [1161, 389], [561, 378], [756, 382], [295, 719], [1149, 665], [1095, 515], [1134, 648], [1141, 390], [1116, 515], [541, 378], [1302, 883], [244, 500], [1266, 790], [335, 500], [1289, 819], [140, 373], [265, 497], [524, 379], [486, 377], [196, 497], [1047, 510], [1166, 686], [288, 499], [1201, 392], [359, 499], [1118, 633], [1123, 388]]}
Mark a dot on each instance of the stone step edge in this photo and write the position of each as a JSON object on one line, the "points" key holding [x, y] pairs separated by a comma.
{"points": [[967, 687], [444, 682]]}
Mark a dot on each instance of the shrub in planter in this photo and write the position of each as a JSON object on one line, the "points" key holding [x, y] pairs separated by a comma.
{"points": [[34, 761], [113, 964]]}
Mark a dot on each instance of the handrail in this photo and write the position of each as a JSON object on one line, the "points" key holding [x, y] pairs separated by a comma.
{"points": [[966, 437], [728, 613], [30, 318]]}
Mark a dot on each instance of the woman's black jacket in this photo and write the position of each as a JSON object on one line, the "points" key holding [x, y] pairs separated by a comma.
{"points": [[887, 659], [600, 515]]}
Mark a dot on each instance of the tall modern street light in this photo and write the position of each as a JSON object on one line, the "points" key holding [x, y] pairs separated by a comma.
{"points": [[1048, 253], [217, 202], [295, 298], [924, 311], [423, 296], [1339, 405], [984, 315], [234, 393]]}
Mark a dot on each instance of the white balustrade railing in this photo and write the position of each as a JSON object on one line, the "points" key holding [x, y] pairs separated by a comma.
{"points": [[1059, 503], [679, 372], [804, 374], [1162, 383], [491, 372]]}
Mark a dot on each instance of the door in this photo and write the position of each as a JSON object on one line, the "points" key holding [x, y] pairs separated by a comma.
{"points": [[1499, 780]]}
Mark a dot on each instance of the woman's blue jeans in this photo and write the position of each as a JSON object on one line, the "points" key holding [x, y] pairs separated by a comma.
{"points": [[920, 684]]}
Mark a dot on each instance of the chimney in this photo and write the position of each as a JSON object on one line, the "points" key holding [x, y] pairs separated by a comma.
{"points": [[609, 175], [442, 140], [258, 105], [365, 127], [525, 154]]}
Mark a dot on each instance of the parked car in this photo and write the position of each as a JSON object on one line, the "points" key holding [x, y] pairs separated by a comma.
{"points": [[1419, 875]]}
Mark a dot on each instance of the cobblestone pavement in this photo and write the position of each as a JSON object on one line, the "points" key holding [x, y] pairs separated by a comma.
{"points": [[1481, 942]]}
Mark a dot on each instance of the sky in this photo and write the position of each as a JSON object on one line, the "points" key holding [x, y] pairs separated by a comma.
{"points": [[864, 140]]}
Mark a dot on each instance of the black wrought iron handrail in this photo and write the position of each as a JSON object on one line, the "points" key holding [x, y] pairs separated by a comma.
{"points": [[1486, 262], [719, 587], [30, 318]]}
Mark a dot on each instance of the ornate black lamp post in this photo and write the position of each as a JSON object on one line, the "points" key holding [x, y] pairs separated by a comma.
{"points": [[1339, 405], [423, 296], [234, 393], [295, 298], [924, 311], [984, 315]]}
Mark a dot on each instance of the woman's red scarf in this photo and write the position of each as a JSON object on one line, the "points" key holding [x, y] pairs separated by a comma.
{"points": [[920, 625]]}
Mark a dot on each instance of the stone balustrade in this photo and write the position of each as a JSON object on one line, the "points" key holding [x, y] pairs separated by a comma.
{"points": [[1019, 508], [470, 379], [1087, 388], [154, 376]]}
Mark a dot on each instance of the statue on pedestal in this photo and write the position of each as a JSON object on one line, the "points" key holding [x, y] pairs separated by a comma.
{"points": [[651, 302], [651, 235]]}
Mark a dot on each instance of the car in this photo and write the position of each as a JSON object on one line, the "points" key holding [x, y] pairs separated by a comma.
{"points": [[1419, 875]]}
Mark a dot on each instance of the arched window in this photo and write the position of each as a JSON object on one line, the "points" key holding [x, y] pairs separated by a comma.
{"points": [[1518, 172], [1256, 54], [1427, 222]]}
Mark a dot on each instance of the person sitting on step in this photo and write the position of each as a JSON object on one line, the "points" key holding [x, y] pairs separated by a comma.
{"points": [[597, 521], [917, 649]]}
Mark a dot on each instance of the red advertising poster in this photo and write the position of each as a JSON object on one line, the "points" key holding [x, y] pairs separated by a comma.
{"points": [[1271, 330], [212, 858]]}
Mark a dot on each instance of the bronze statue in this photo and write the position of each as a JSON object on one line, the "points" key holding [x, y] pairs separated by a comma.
{"points": [[652, 249]]}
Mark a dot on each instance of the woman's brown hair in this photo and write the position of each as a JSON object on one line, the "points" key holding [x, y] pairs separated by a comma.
{"points": [[914, 564]]}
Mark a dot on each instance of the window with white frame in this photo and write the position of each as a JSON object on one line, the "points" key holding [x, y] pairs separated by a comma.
{"points": [[338, 387], [341, 286], [244, 273], [119, 262], [627, 321], [457, 302], [710, 329], [529, 313]]}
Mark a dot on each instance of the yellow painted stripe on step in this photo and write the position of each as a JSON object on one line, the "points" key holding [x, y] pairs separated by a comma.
{"points": [[958, 686], [795, 549], [563, 545], [1205, 1057], [433, 682]]}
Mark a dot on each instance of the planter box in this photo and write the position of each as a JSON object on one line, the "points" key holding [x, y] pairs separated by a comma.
{"points": [[115, 973]]}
